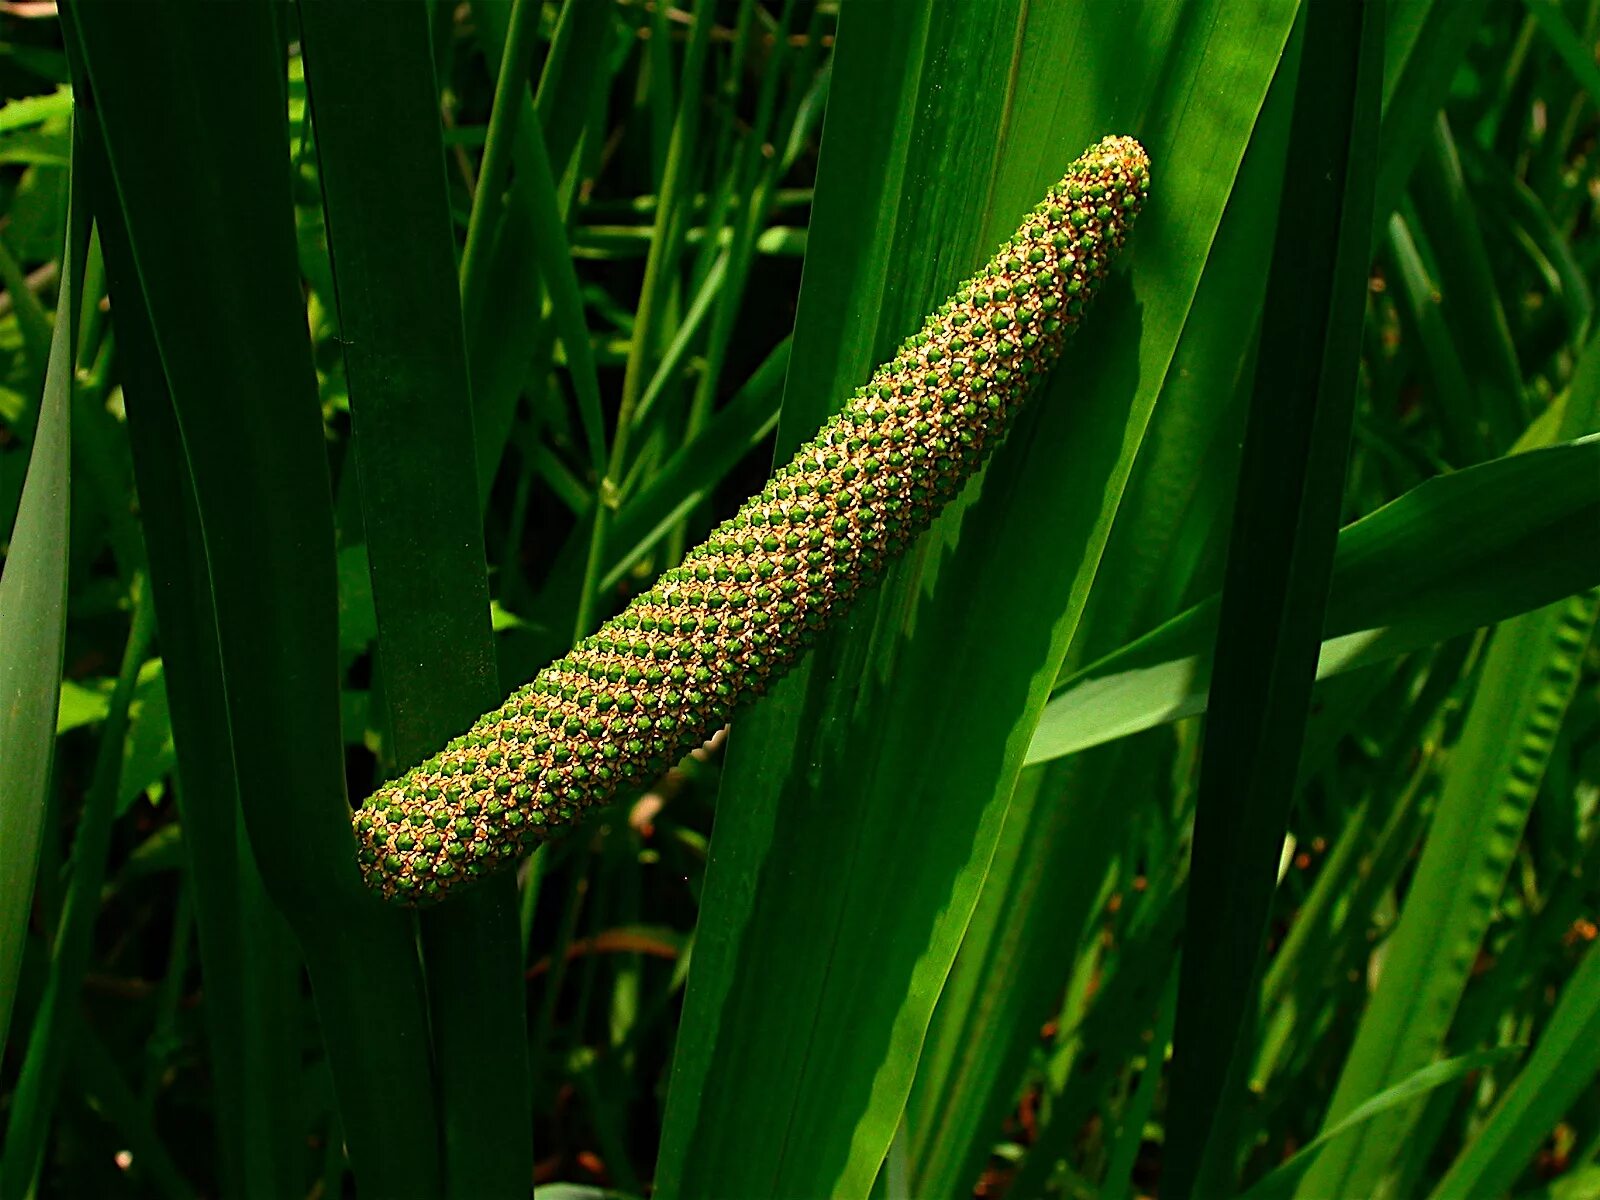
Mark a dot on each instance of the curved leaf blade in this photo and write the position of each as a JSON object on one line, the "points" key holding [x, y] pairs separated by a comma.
{"points": [[1454, 554]]}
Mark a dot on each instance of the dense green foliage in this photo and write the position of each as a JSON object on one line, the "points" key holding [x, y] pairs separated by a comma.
{"points": [[1208, 804]]}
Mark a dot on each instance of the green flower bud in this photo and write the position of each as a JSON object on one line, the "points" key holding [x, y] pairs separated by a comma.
{"points": [[746, 602]]}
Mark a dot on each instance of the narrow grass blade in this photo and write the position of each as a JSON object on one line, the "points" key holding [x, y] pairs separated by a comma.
{"points": [[189, 100], [535, 204], [1561, 1067], [649, 335], [1421, 57], [1130, 1132], [33, 614], [33, 322], [510, 98], [1473, 303], [1281, 1183], [49, 1051], [1465, 440], [373, 100], [1280, 559], [569, 79]]}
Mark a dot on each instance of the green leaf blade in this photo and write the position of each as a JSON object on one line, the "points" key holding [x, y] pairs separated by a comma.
{"points": [[33, 612], [374, 104]]}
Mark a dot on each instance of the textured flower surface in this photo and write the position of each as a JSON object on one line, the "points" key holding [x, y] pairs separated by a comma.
{"points": [[715, 632]]}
